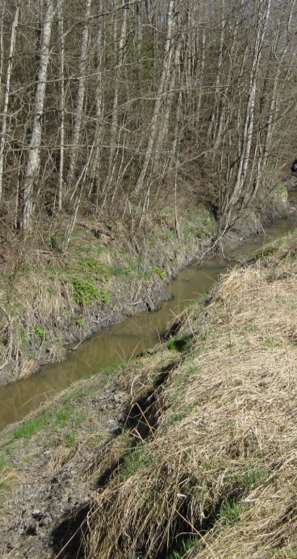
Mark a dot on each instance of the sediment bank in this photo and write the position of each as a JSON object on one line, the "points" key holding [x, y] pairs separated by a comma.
{"points": [[187, 455], [50, 301]]}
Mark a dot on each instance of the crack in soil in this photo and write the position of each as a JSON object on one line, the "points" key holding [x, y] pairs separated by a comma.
{"points": [[140, 418]]}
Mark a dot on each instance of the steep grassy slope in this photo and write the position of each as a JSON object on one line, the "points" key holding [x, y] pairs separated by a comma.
{"points": [[221, 465], [202, 460]]}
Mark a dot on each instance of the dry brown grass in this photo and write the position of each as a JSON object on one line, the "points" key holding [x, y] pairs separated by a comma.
{"points": [[37, 294], [268, 528], [229, 432]]}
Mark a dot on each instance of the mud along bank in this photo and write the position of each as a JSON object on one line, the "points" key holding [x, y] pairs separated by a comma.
{"points": [[186, 455], [50, 302], [118, 344]]}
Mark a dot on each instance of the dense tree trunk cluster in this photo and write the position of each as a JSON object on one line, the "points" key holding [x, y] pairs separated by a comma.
{"points": [[110, 104]]}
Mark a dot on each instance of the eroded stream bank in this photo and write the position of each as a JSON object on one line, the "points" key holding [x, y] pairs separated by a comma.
{"points": [[121, 342], [178, 453]]}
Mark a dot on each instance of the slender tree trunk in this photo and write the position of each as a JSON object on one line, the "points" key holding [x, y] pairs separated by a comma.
{"points": [[265, 149], [3, 11], [96, 162], [7, 92], [168, 103], [62, 104], [33, 163], [114, 133], [80, 99], [215, 117], [247, 136], [202, 73], [158, 103]]}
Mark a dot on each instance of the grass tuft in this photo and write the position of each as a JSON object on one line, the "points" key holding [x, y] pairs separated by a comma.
{"points": [[180, 343], [85, 292], [29, 428], [230, 512], [135, 460]]}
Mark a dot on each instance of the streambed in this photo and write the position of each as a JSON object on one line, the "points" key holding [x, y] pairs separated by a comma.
{"points": [[121, 342]]}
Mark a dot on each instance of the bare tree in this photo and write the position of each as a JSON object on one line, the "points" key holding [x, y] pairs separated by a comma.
{"points": [[99, 94], [62, 103], [135, 98], [2, 46], [158, 103], [247, 136], [7, 91], [80, 98], [33, 163]]}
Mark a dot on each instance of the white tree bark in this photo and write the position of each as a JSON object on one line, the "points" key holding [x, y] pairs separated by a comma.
{"points": [[247, 136], [80, 98], [62, 104], [95, 164], [158, 103], [168, 102], [7, 92], [33, 163], [114, 132], [215, 118], [2, 47]]}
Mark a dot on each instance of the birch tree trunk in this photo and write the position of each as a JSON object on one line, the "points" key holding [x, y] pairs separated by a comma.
{"points": [[62, 104], [7, 92], [215, 118], [168, 102], [266, 145], [200, 94], [80, 99], [2, 47], [114, 132], [33, 163], [95, 164], [158, 103], [247, 136]]}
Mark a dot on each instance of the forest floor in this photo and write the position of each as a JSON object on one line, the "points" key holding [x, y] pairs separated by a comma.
{"points": [[189, 452]]}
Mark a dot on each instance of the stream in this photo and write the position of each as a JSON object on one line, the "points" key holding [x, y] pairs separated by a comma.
{"points": [[121, 342]]}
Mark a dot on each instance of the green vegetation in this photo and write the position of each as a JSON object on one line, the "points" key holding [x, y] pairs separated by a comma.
{"points": [[53, 244], [253, 476], [180, 343], [251, 327], [186, 545], [85, 292], [40, 332], [70, 440], [178, 416], [80, 321], [136, 459], [122, 271], [160, 272], [201, 225], [4, 462], [271, 342], [92, 264], [29, 428], [6, 481], [230, 512], [286, 552], [53, 420]]}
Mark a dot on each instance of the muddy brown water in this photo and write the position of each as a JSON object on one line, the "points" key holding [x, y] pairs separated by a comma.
{"points": [[121, 342]]}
